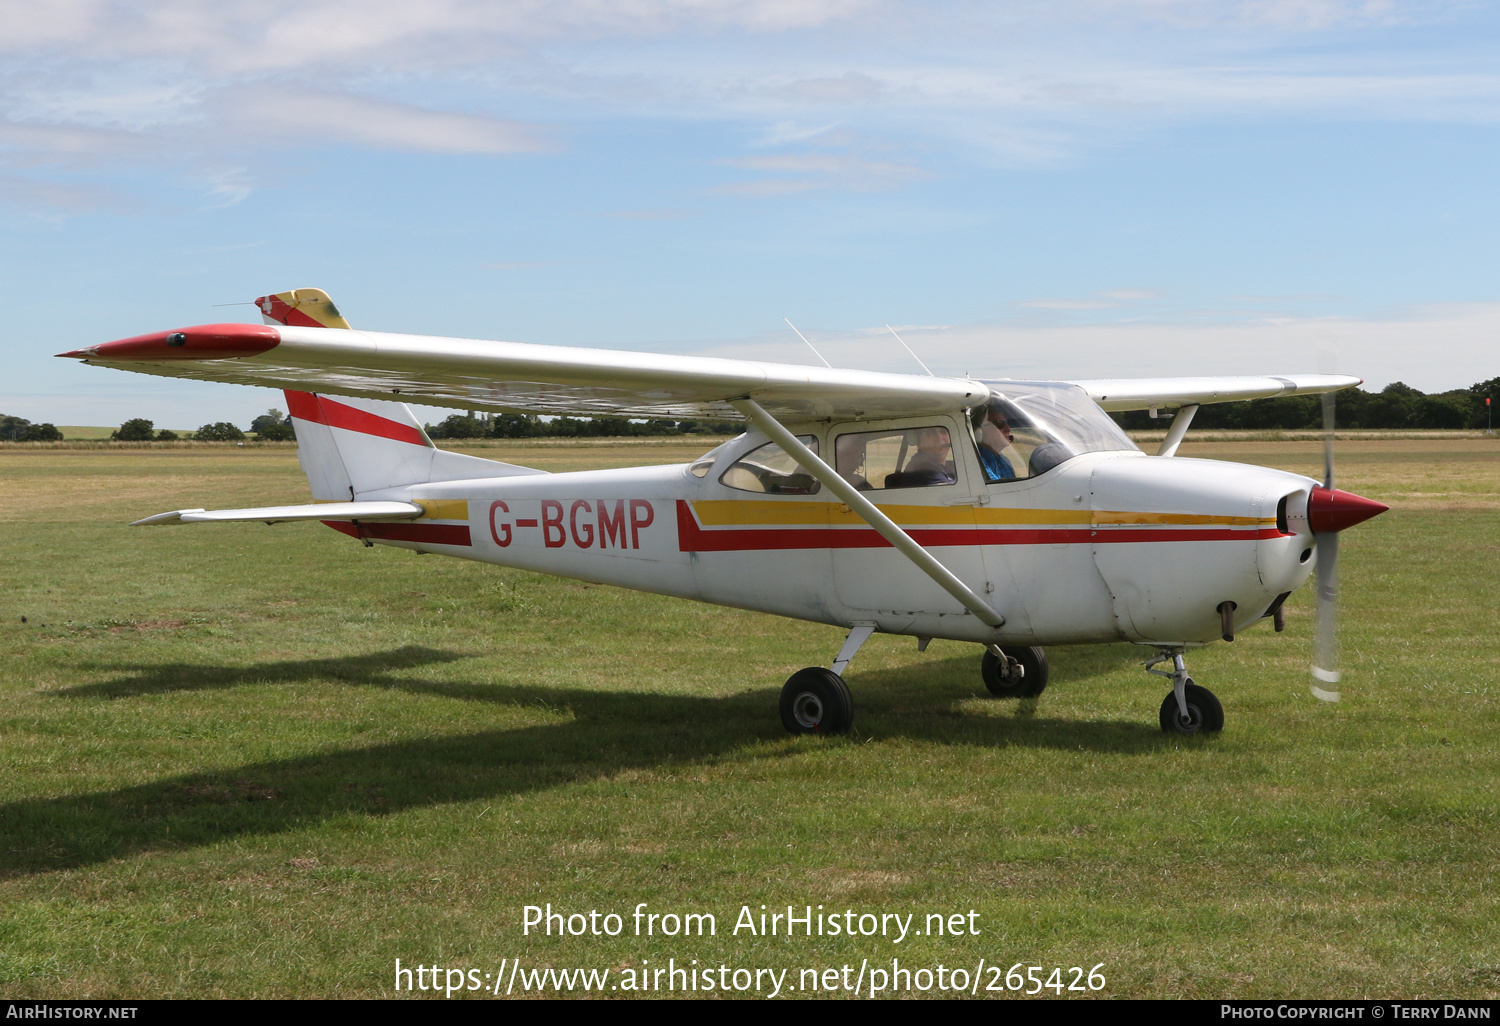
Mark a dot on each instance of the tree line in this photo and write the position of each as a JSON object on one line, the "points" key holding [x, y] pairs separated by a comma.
{"points": [[19, 429], [1397, 406], [517, 425], [271, 426]]}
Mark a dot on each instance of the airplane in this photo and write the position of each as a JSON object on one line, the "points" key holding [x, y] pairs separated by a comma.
{"points": [[1014, 514]]}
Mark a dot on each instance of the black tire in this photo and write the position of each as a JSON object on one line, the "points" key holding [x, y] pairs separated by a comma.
{"points": [[1032, 659], [816, 701], [1205, 714]]}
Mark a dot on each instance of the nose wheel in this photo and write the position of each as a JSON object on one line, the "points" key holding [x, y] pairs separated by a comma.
{"points": [[1204, 713], [1189, 709]]}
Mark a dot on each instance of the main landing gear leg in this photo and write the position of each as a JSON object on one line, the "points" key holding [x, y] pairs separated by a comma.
{"points": [[1189, 709], [816, 700]]}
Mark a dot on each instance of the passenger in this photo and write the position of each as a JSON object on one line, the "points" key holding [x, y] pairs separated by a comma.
{"points": [[930, 464], [994, 435], [849, 456]]}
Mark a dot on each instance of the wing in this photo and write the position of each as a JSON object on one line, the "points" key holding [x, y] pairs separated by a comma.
{"points": [[1119, 394], [472, 374]]}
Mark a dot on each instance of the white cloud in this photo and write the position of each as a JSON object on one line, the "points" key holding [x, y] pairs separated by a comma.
{"points": [[1431, 348], [1026, 82], [50, 198], [306, 118], [1287, 15], [800, 172], [244, 35], [1109, 299]]}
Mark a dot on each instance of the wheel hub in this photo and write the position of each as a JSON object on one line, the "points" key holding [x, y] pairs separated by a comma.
{"points": [[1190, 723], [808, 710]]}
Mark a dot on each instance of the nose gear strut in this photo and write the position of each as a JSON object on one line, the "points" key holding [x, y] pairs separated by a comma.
{"points": [[1189, 709]]}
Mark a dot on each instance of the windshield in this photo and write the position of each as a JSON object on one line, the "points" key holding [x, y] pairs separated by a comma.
{"points": [[700, 466], [1029, 427]]}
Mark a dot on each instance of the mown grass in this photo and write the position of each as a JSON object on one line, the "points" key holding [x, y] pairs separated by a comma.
{"points": [[244, 761]]}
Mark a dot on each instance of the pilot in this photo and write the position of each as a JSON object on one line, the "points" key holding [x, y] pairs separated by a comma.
{"points": [[994, 435], [930, 464]]}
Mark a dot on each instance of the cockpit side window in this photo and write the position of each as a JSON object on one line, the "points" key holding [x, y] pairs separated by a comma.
{"points": [[771, 470], [1011, 445], [1027, 428], [900, 458]]}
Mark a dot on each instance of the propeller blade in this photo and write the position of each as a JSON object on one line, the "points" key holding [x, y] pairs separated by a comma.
{"points": [[1325, 668], [1325, 653]]}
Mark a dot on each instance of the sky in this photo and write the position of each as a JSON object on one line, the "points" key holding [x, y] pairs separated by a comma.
{"points": [[1063, 189]]}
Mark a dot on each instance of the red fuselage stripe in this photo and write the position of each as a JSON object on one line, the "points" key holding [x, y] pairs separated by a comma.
{"points": [[692, 538], [432, 534]]}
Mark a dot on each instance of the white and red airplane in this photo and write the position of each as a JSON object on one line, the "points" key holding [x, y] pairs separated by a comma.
{"points": [[1013, 514]]}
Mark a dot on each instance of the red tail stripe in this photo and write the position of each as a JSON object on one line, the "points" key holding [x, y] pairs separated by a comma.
{"points": [[322, 410]]}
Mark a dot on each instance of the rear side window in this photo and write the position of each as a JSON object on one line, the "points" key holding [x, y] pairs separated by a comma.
{"points": [[770, 470], [904, 458]]}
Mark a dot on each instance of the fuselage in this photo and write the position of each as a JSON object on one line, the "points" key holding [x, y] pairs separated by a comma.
{"points": [[1104, 546]]}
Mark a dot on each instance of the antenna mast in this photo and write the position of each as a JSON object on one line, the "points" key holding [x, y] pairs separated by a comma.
{"points": [[914, 356], [814, 348]]}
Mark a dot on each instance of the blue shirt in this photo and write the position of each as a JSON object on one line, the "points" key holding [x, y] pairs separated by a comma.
{"points": [[996, 466]]}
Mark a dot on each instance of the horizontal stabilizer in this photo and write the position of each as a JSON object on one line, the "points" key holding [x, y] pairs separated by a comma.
{"points": [[278, 514]]}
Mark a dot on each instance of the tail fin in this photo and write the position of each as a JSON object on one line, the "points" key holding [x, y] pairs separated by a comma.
{"points": [[351, 447]]}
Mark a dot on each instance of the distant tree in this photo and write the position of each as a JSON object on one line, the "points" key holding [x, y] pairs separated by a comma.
{"points": [[273, 426], [515, 425], [459, 425], [137, 430], [223, 431], [166, 436], [1478, 392], [13, 429], [1448, 410], [42, 433]]}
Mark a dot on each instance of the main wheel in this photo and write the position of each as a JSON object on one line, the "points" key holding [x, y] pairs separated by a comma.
{"points": [[1033, 660], [816, 701], [1205, 714]]}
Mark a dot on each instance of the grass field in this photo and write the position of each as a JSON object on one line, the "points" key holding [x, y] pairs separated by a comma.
{"points": [[251, 761]]}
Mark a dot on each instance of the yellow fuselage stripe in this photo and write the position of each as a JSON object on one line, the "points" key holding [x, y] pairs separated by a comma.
{"points": [[776, 513]]}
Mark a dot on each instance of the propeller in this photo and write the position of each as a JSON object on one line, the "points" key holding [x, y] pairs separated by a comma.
{"points": [[1325, 667], [1330, 511]]}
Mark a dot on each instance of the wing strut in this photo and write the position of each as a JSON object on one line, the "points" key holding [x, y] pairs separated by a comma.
{"points": [[1177, 431], [866, 510]]}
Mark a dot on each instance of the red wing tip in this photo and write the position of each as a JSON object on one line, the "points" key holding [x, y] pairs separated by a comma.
{"points": [[201, 342]]}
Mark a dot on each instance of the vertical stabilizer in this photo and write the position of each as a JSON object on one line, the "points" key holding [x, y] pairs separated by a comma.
{"points": [[352, 447]]}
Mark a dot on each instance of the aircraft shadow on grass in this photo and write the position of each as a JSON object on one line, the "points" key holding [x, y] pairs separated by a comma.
{"points": [[609, 732]]}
